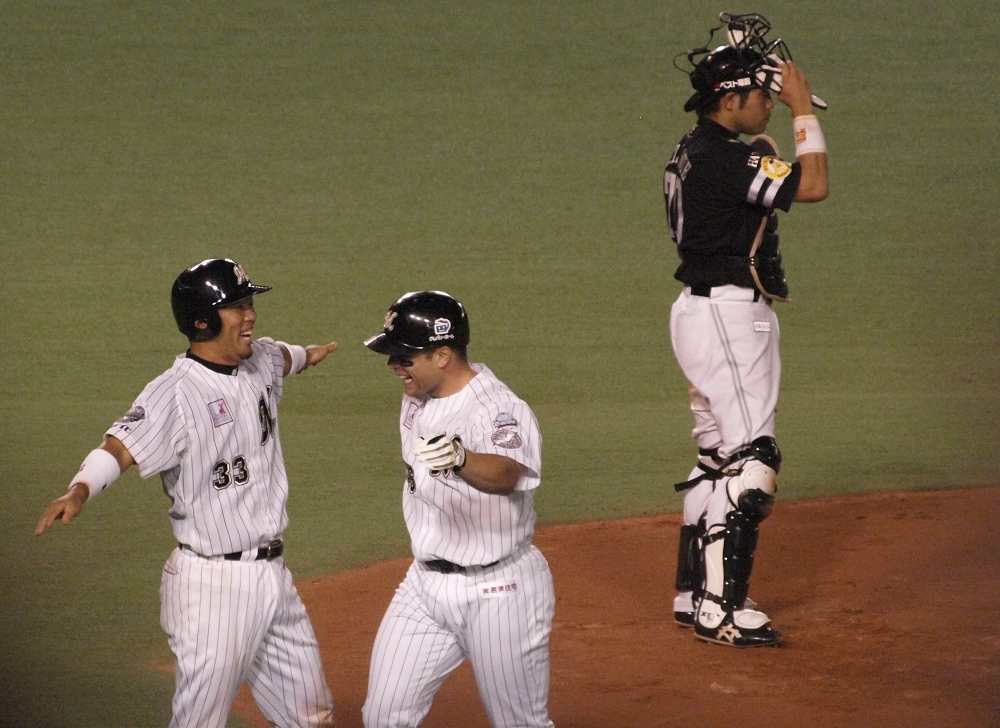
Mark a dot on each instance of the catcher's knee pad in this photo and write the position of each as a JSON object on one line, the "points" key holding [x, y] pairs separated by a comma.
{"points": [[751, 491], [689, 559]]}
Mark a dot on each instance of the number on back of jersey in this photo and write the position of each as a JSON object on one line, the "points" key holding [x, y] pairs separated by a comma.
{"points": [[674, 174]]}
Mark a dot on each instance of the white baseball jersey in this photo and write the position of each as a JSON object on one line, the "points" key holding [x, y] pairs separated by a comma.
{"points": [[211, 433], [448, 518], [496, 615]]}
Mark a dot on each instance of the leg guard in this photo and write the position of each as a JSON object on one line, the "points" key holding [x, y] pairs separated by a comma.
{"points": [[689, 560], [721, 614], [738, 549]]}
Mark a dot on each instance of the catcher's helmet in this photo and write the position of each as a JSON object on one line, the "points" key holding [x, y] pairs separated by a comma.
{"points": [[205, 287], [726, 69], [420, 321]]}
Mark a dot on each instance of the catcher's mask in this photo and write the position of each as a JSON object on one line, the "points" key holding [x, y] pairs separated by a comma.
{"points": [[420, 321], [202, 289], [748, 60]]}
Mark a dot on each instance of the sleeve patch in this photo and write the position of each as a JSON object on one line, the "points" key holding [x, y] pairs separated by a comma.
{"points": [[775, 168], [133, 415], [505, 432]]}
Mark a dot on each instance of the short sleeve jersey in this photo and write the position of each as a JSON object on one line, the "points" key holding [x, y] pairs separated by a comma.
{"points": [[717, 191], [211, 433], [447, 518]]}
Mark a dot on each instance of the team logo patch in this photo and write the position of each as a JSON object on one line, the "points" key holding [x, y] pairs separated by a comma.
{"points": [[133, 415], [219, 411], [496, 589], [442, 327], [241, 275], [762, 326], [389, 318], [775, 168], [505, 432]]}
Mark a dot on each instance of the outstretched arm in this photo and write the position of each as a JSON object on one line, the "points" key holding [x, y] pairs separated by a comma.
{"points": [[96, 474], [298, 358]]}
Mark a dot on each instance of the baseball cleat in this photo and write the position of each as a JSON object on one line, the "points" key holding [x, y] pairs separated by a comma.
{"points": [[684, 619], [742, 628]]}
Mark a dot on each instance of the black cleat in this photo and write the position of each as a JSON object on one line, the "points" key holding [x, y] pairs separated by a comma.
{"points": [[744, 628]]}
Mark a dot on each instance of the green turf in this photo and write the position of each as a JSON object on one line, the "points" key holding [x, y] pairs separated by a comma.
{"points": [[510, 154]]}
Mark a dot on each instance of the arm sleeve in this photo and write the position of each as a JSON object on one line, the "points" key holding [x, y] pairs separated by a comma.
{"points": [[273, 359], [153, 430], [510, 429], [762, 180]]}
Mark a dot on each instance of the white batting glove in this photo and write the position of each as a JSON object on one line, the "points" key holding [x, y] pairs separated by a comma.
{"points": [[440, 453]]}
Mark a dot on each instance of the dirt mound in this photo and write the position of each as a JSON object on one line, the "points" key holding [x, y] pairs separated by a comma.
{"points": [[888, 605]]}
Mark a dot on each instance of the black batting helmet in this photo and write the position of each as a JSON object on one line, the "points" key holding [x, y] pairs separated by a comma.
{"points": [[420, 321], [205, 287]]}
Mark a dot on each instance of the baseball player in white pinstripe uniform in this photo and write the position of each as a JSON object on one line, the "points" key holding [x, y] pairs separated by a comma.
{"points": [[208, 426], [477, 589]]}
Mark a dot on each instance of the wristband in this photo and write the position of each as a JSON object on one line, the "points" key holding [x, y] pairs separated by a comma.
{"points": [[808, 136], [459, 455], [298, 354], [99, 470]]}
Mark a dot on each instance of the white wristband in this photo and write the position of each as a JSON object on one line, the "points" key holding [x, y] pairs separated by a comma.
{"points": [[298, 354], [99, 470], [808, 136]]}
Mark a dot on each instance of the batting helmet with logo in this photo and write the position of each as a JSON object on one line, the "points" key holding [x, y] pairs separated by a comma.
{"points": [[202, 289], [419, 321]]}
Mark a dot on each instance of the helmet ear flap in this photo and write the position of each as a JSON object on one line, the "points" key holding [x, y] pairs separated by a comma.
{"points": [[213, 326]]}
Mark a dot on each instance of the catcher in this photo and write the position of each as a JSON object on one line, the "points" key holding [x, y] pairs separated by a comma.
{"points": [[721, 196]]}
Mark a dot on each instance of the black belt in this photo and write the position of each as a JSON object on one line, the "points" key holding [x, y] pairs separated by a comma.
{"points": [[446, 567], [700, 289], [270, 552]]}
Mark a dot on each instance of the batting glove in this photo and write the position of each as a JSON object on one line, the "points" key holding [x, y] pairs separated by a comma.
{"points": [[440, 453]]}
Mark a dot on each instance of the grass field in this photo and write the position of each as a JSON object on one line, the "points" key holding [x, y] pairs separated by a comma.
{"points": [[510, 154]]}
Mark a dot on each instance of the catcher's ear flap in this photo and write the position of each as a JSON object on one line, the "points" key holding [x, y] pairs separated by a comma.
{"points": [[765, 146]]}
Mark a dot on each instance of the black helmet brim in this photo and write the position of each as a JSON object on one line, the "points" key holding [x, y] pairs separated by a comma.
{"points": [[382, 344]]}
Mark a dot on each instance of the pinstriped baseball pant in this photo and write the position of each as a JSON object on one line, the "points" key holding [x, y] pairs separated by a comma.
{"points": [[230, 622], [498, 618]]}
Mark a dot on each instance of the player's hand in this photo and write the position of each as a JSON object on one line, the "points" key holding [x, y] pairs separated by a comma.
{"points": [[67, 507], [440, 452], [315, 353], [796, 93]]}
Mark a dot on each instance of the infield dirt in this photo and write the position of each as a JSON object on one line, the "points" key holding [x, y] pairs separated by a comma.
{"points": [[888, 604]]}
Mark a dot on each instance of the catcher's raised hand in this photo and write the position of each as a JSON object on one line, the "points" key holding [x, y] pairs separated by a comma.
{"points": [[440, 452]]}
